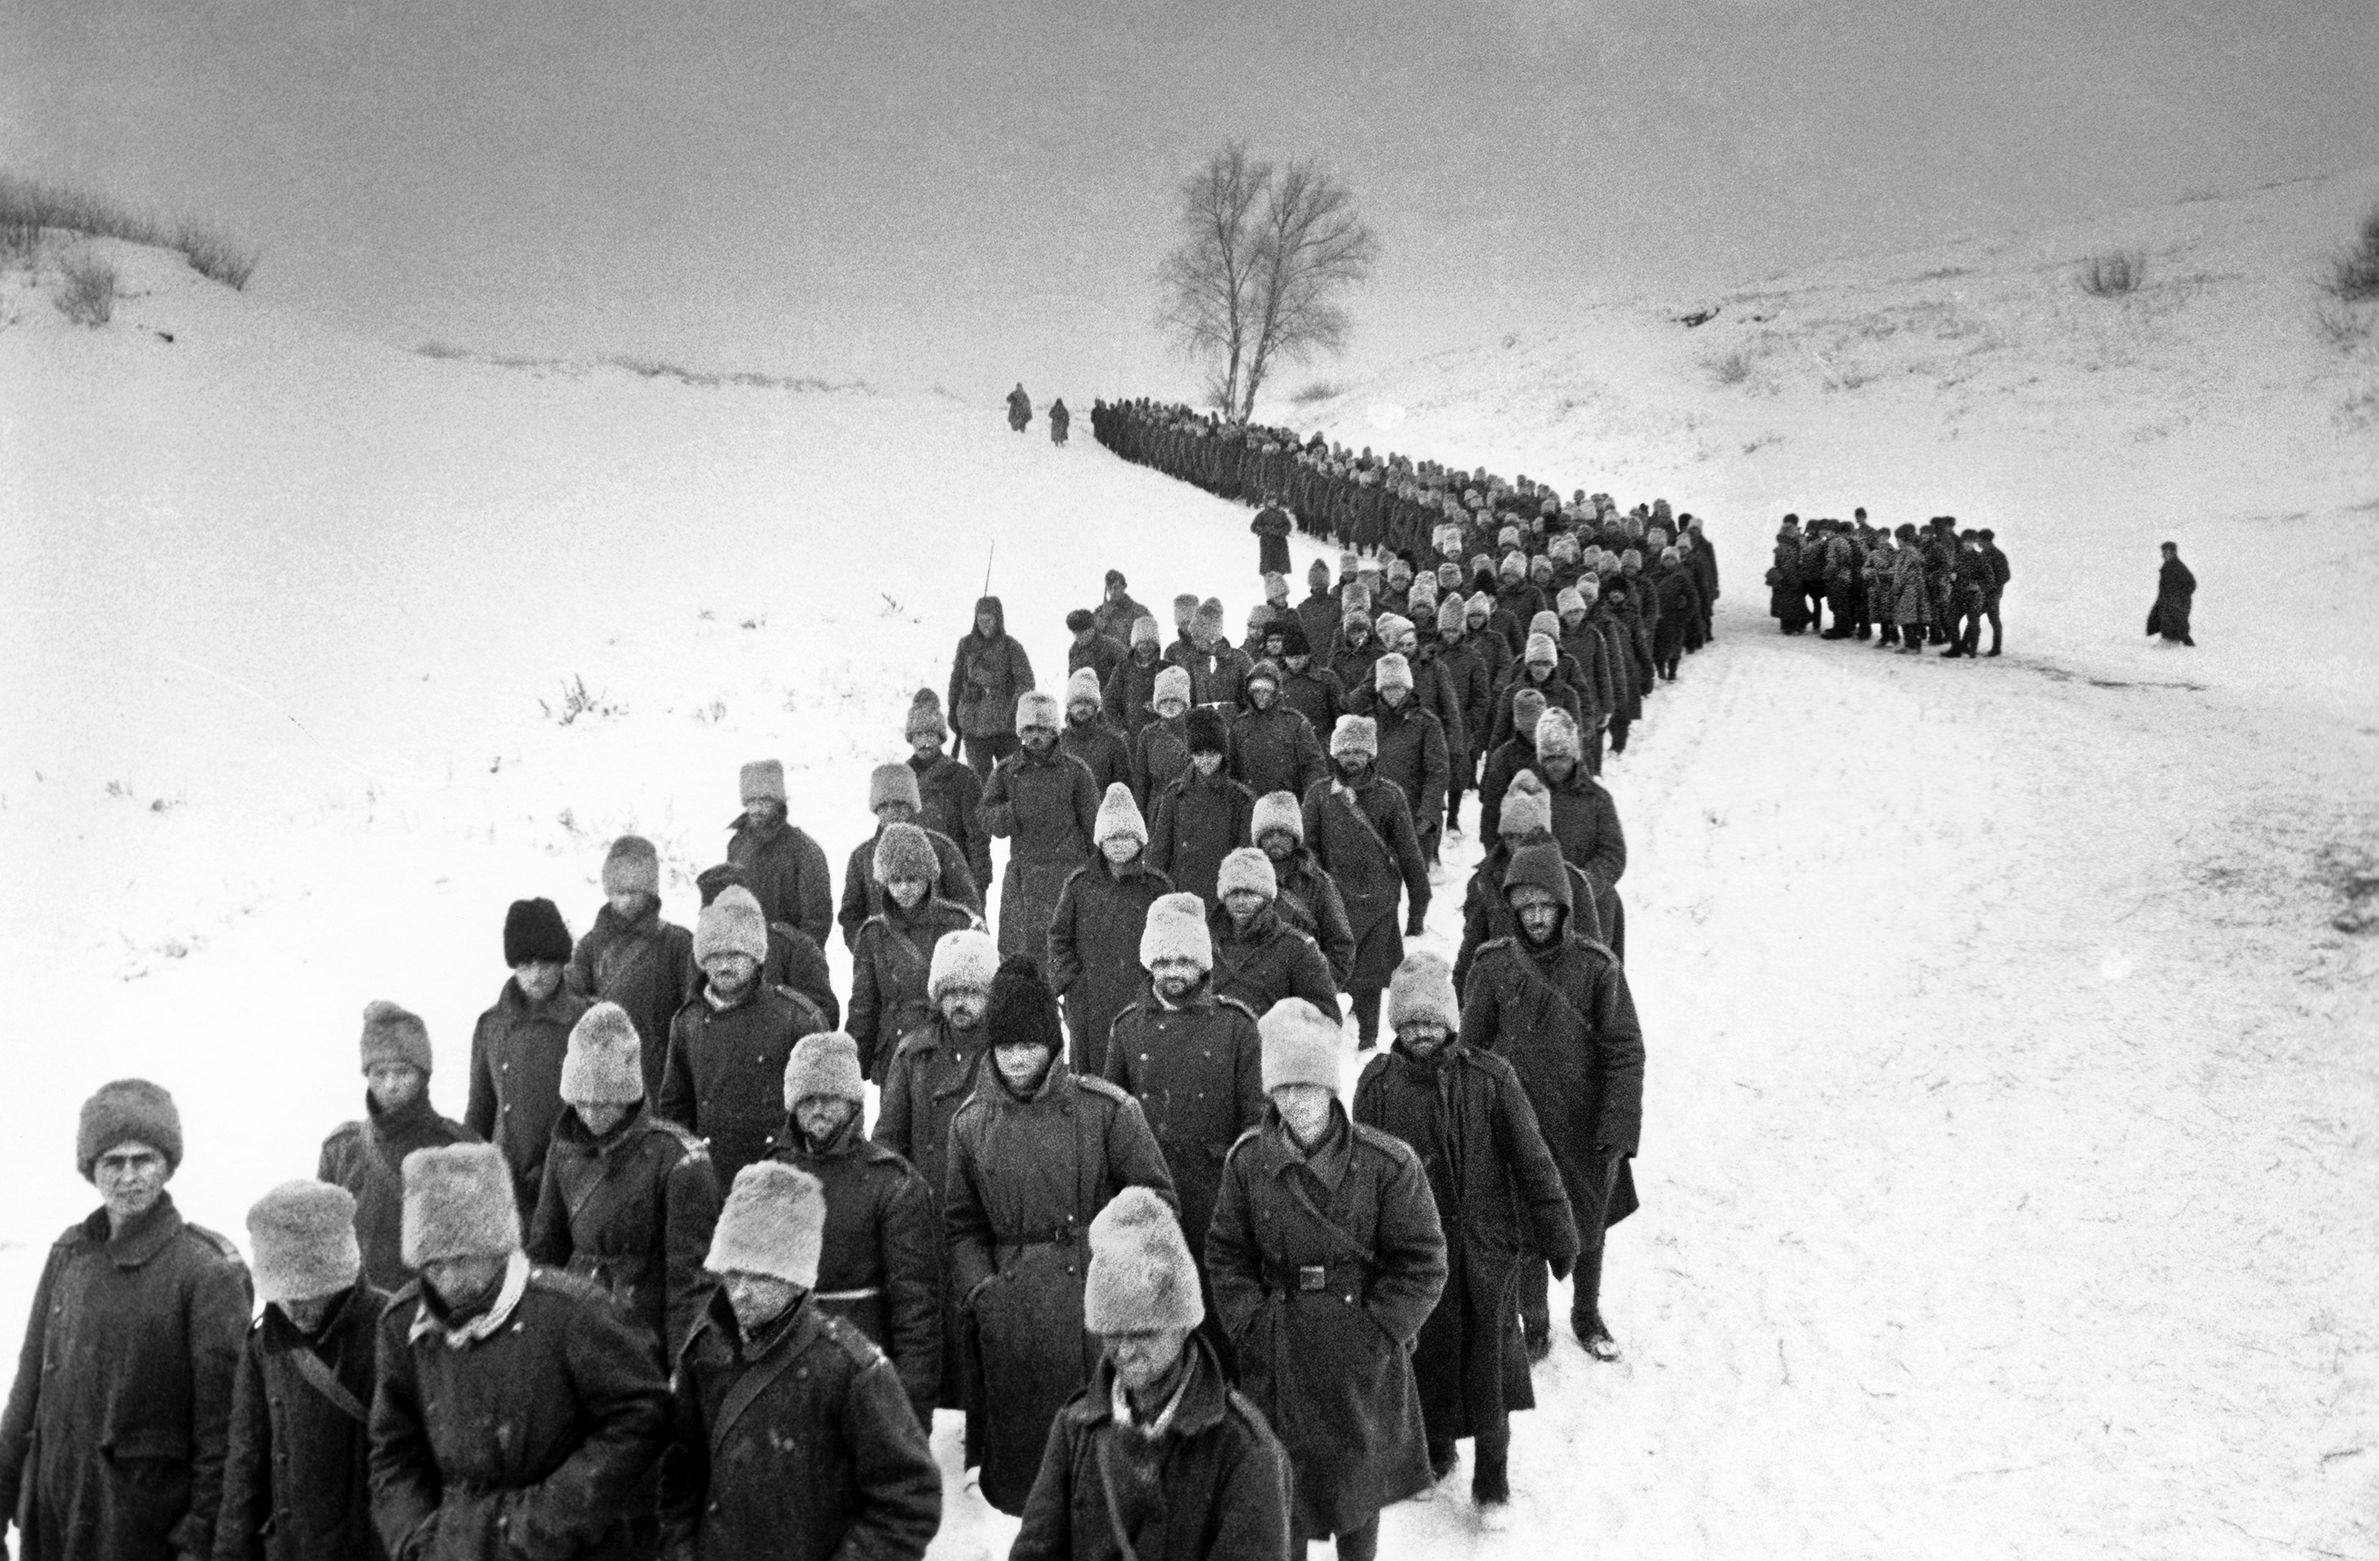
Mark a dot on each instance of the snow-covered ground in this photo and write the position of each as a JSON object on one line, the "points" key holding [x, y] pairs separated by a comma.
{"points": [[2009, 1164]]}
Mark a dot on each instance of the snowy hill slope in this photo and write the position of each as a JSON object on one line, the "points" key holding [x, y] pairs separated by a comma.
{"points": [[2009, 1181], [1978, 379]]}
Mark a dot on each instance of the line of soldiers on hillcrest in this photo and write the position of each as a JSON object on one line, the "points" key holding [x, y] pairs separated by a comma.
{"points": [[664, 1291], [1906, 587]]}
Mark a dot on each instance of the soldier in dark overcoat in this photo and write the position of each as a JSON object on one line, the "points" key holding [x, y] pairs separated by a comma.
{"points": [[1202, 814], [893, 954], [1360, 830], [1043, 803], [1034, 1155], [367, 1156], [1260, 956], [728, 1047], [517, 1046], [1094, 935], [783, 867], [1326, 1259], [632, 955], [894, 798]]}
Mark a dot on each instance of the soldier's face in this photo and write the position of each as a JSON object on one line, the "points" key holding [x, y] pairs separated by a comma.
{"points": [[895, 811], [601, 1117], [538, 979], [1173, 976], [463, 1281], [963, 1006], [820, 1117], [1141, 1360], [925, 745], [1037, 739], [985, 624], [758, 1299], [1423, 1039], [1021, 1065], [1261, 695], [1538, 912], [1278, 844], [130, 1178], [1082, 711], [906, 892], [627, 905], [1170, 709], [1305, 1108], [731, 975], [394, 1085], [1207, 763], [1296, 663], [1119, 849], [761, 812], [1243, 905]]}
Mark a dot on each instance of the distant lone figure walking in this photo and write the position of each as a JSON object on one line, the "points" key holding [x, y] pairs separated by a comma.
{"points": [[1059, 421], [2176, 587], [1020, 408]]}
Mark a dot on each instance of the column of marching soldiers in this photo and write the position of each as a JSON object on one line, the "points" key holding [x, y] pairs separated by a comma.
{"points": [[663, 1292]]}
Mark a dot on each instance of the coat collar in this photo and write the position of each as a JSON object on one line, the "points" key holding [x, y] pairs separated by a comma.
{"points": [[1329, 1162], [143, 1239], [1204, 1399], [428, 1323], [280, 1335]]}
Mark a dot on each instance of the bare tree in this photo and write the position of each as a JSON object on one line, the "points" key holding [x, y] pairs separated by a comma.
{"points": [[1206, 280], [1263, 258], [1311, 249]]}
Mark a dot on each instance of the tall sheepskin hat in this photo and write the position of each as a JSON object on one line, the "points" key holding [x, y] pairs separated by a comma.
{"points": [[925, 716], [604, 1065], [301, 1236], [458, 1203], [1557, 734], [964, 958], [632, 867], [1567, 600], [1391, 671], [893, 783], [1145, 631], [762, 778], [1300, 1045], [534, 933], [1207, 621], [905, 851], [1452, 616], [773, 1223], [1546, 623], [1172, 683], [1277, 810], [1141, 1277], [1526, 808], [1037, 709], [1023, 1011], [129, 1111], [1176, 929], [825, 1064], [1354, 734], [1083, 687], [1247, 868], [390, 1034], [1318, 576], [1528, 708], [731, 924], [1185, 607], [1208, 731], [1118, 815], [1422, 992], [1543, 650]]}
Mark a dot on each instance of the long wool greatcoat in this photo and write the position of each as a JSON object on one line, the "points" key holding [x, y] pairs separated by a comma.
{"points": [[952, 795], [1199, 821], [1500, 1201], [795, 1445], [1045, 806], [726, 1075], [647, 967], [113, 1443], [1275, 749], [931, 1076], [1563, 1017], [891, 962], [1310, 902], [1027, 1176], [1212, 1486], [986, 677], [297, 1480], [367, 1158], [1094, 950], [880, 1266], [1198, 1073], [788, 874], [1363, 837], [538, 1439], [631, 1213], [2176, 590], [1270, 959], [1324, 1270], [516, 1079]]}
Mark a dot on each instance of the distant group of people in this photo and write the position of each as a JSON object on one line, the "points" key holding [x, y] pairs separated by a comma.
{"points": [[1905, 587], [665, 1290], [1020, 414]]}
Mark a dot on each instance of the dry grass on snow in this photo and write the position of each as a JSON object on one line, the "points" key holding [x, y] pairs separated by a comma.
{"points": [[27, 207]]}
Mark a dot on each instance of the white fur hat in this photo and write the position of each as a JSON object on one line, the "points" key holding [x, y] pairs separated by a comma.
{"points": [[1246, 868], [1141, 1276], [1300, 1045], [1084, 684], [1556, 734], [302, 1235], [731, 924], [1172, 683], [1118, 815], [1526, 808], [824, 1064], [1354, 734], [604, 1065], [458, 1203], [1277, 810], [773, 1223], [1542, 649], [1036, 709], [1392, 671], [1422, 991], [965, 958], [1176, 929]]}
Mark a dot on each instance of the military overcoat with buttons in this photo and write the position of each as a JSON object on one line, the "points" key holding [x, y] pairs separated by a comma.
{"points": [[1197, 1070], [297, 1480], [516, 1080]]}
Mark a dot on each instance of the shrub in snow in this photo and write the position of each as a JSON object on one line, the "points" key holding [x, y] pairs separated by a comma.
{"points": [[88, 296], [2114, 274], [2354, 272], [25, 204]]}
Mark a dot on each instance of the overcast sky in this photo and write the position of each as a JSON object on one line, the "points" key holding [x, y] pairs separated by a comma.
{"points": [[967, 193]]}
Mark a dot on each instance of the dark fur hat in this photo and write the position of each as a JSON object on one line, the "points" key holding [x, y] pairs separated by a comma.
{"points": [[1022, 1011]]}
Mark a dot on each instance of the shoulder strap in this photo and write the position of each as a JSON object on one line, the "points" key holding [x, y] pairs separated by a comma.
{"points": [[318, 1377], [1553, 994], [748, 1388], [1123, 1541], [1355, 1250]]}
